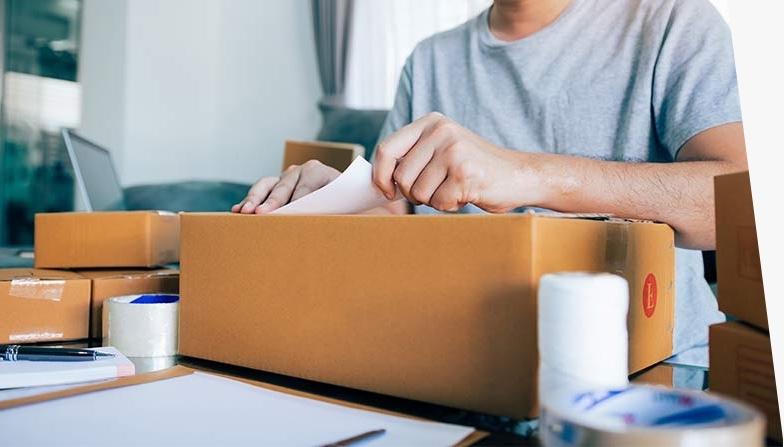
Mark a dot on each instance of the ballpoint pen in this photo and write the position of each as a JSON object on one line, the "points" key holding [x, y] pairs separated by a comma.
{"points": [[354, 439], [49, 354]]}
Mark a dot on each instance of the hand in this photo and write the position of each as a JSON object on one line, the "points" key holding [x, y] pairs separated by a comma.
{"points": [[436, 162], [270, 193]]}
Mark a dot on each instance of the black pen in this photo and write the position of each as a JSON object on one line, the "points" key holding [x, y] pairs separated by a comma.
{"points": [[13, 353], [354, 439]]}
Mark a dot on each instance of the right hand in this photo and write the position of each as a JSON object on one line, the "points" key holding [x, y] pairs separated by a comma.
{"points": [[271, 193]]}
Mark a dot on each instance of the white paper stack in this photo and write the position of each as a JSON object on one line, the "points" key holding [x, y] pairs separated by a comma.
{"points": [[23, 373]]}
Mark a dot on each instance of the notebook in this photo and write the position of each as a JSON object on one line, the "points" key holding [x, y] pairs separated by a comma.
{"points": [[204, 409], [28, 374]]}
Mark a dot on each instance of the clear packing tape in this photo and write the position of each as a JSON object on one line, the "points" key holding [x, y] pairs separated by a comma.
{"points": [[37, 288], [143, 325]]}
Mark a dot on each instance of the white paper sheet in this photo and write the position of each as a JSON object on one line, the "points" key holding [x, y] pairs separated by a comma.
{"points": [[203, 409], [352, 192]]}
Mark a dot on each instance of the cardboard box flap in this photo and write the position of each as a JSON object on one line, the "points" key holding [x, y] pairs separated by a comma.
{"points": [[180, 371], [37, 274], [602, 217]]}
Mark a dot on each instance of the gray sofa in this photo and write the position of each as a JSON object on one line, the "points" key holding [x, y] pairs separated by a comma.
{"points": [[339, 124]]}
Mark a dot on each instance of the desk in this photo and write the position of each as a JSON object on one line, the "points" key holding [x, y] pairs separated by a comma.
{"points": [[503, 431]]}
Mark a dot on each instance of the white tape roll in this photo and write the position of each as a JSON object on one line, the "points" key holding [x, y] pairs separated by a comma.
{"points": [[582, 333], [144, 325], [648, 416]]}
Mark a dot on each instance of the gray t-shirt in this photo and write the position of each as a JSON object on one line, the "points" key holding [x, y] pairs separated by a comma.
{"points": [[626, 80]]}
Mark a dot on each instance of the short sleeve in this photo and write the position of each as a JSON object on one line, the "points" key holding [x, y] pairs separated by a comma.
{"points": [[400, 115], [694, 84]]}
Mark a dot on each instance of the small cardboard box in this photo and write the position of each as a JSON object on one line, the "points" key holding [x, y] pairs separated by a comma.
{"points": [[43, 305], [111, 283], [336, 155], [439, 309], [740, 291], [106, 239], [741, 366]]}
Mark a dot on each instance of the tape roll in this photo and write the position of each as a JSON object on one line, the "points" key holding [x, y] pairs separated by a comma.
{"points": [[151, 364], [651, 416], [144, 325], [582, 334]]}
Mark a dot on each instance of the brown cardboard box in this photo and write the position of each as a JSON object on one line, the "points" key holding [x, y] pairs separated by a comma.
{"points": [[440, 309], [43, 305], [740, 291], [741, 366], [660, 374], [110, 283], [106, 239], [336, 155]]}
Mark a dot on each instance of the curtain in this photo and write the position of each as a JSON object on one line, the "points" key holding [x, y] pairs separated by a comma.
{"points": [[384, 34], [332, 29]]}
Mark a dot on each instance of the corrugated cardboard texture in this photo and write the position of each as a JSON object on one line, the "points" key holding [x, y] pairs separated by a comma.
{"points": [[336, 155], [741, 366], [739, 273], [111, 283], [43, 305], [440, 309], [106, 239]]}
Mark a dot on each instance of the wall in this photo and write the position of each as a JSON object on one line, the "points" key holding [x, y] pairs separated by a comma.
{"points": [[198, 89]]}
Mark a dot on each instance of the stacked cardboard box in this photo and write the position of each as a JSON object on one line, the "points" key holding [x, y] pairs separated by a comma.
{"points": [[50, 305], [741, 361], [111, 283], [121, 239], [43, 305], [439, 309]]}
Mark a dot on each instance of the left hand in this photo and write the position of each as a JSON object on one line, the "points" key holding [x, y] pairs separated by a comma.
{"points": [[436, 162]]}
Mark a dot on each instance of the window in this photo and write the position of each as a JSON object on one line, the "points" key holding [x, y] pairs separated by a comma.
{"points": [[384, 33]]}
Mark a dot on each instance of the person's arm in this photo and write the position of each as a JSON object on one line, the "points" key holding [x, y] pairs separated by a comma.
{"points": [[679, 194], [435, 161]]}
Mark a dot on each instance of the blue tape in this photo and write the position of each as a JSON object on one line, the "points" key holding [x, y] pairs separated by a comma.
{"points": [[156, 298]]}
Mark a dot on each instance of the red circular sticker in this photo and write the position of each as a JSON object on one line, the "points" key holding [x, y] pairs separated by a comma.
{"points": [[649, 295]]}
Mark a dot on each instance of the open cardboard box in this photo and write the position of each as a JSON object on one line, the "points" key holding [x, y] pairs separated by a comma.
{"points": [[439, 309]]}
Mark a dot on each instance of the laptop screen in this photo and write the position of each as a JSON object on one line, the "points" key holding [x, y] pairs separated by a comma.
{"points": [[93, 167]]}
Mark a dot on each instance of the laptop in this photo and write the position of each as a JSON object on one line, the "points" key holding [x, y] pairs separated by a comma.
{"points": [[96, 180], [94, 174]]}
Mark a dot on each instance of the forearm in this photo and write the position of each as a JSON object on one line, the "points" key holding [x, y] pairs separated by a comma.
{"points": [[679, 194]]}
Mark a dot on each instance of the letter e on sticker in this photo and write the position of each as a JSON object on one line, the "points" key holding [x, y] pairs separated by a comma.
{"points": [[649, 294]]}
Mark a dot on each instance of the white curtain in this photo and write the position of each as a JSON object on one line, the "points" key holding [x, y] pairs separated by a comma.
{"points": [[384, 33]]}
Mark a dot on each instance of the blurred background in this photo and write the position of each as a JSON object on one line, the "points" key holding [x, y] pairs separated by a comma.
{"points": [[192, 97]]}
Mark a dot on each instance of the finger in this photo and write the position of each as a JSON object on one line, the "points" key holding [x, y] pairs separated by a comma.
{"points": [[428, 182], [315, 175], [236, 208], [396, 146], [257, 193], [281, 193], [448, 196], [411, 165]]}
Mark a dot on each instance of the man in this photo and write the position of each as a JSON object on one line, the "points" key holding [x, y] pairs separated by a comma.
{"points": [[622, 107]]}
